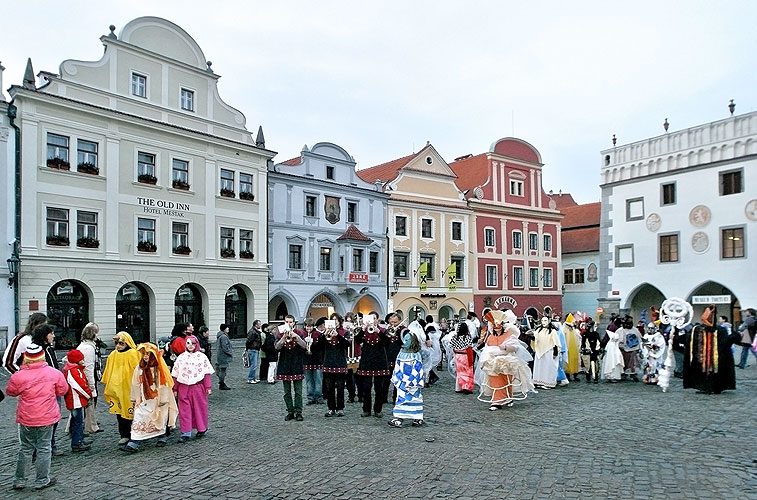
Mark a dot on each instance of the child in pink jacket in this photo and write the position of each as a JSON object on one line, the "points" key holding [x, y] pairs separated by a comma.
{"points": [[37, 386]]}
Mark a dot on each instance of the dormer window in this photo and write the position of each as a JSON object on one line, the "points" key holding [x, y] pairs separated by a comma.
{"points": [[329, 172], [138, 85], [187, 100]]}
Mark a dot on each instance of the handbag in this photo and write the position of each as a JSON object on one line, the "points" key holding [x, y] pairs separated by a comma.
{"points": [[746, 339], [246, 359]]}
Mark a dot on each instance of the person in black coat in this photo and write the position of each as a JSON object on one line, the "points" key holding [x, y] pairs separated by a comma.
{"points": [[268, 363], [373, 369]]}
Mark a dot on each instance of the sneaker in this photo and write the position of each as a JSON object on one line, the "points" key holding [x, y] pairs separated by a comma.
{"points": [[183, 439], [123, 440], [298, 417], [49, 483], [395, 422], [18, 486], [58, 453], [80, 448], [564, 382], [494, 407], [330, 413], [250, 382], [255, 381], [418, 422], [340, 413], [365, 414], [200, 434], [290, 416], [131, 447], [225, 387]]}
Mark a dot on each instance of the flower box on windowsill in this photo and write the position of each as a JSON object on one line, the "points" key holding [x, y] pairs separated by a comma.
{"points": [[244, 195], [88, 168], [146, 246], [88, 243], [147, 179], [58, 163], [58, 241], [182, 250], [228, 193], [228, 253], [177, 184], [244, 254]]}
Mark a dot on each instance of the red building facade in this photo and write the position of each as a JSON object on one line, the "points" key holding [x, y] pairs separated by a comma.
{"points": [[517, 227]]}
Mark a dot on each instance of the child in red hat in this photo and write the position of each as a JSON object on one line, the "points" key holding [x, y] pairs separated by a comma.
{"points": [[77, 397]]}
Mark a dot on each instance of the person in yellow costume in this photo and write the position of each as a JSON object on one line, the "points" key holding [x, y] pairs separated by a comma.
{"points": [[119, 369], [155, 409], [572, 364]]}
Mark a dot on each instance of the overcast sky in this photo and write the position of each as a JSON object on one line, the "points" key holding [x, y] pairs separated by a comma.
{"points": [[382, 78]]}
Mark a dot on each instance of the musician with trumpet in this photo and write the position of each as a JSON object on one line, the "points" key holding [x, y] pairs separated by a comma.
{"points": [[290, 369], [314, 361], [392, 347], [373, 370], [333, 343]]}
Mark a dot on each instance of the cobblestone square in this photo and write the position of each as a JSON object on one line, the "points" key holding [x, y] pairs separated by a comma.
{"points": [[623, 440]]}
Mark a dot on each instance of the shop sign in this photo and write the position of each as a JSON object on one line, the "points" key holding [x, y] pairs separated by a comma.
{"points": [[505, 299], [163, 207], [358, 278], [711, 299]]}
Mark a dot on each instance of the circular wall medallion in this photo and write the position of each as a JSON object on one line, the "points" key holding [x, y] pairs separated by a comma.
{"points": [[751, 210], [700, 216], [552, 204], [700, 242], [478, 193], [654, 222]]}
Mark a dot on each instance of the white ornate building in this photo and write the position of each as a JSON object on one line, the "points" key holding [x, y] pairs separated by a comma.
{"points": [[679, 219], [7, 229], [144, 194]]}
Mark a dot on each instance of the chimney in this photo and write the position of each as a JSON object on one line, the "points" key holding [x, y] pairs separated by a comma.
{"points": [[29, 76]]}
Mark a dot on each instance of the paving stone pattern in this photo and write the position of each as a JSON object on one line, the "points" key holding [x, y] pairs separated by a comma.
{"points": [[622, 441]]}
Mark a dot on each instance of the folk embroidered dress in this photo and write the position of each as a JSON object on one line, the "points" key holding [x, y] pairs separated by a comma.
{"points": [[408, 376], [191, 372], [151, 390]]}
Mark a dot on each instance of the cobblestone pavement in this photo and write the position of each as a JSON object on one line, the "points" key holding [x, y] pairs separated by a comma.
{"points": [[622, 440]]}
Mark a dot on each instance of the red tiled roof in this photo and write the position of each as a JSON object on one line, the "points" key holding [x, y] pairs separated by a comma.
{"points": [[292, 162], [563, 200], [580, 240], [386, 171], [471, 172], [354, 234], [586, 215]]}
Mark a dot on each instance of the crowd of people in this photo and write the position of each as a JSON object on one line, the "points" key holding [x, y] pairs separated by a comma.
{"points": [[148, 387]]}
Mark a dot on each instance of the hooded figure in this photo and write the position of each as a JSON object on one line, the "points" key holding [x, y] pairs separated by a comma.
{"points": [[546, 346], [119, 368], [407, 377]]}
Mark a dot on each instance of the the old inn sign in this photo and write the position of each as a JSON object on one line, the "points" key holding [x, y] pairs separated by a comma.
{"points": [[163, 207]]}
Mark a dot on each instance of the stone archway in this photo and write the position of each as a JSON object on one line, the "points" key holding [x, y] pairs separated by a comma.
{"points": [[68, 311], [712, 292], [133, 311], [641, 299]]}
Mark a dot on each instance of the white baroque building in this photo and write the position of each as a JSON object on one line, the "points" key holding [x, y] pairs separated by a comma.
{"points": [[144, 194], [7, 223], [679, 219]]}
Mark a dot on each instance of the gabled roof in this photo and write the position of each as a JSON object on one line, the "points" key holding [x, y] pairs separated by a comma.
{"points": [[580, 240], [354, 234], [471, 172], [292, 162], [578, 216], [563, 200], [386, 171]]}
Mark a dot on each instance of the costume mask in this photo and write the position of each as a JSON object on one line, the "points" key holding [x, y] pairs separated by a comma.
{"points": [[544, 321]]}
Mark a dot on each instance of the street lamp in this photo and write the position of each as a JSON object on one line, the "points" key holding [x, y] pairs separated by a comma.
{"points": [[13, 264], [396, 286]]}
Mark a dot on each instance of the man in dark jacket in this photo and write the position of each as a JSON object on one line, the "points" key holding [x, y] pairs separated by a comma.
{"points": [[223, 356], [253, 345]]}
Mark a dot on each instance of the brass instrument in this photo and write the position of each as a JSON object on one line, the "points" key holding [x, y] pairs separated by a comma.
{"points": [[392, 330]]}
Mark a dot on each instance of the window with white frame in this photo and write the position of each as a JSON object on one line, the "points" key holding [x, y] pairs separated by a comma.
{"points": [[145, 232], [491, 276], [457, 231], [310, 206], [57, 147], [352, 212], [138, 85], [57, 226], [227, 182], [489, 237], [517, 240], [459, 263], [227, 239], [400, 225], [517, 276], [187, 100], [145, 166], [373, 262], [401, 264], [547, 277], [732, 244], [295, 256], [547, 242], [516, 188], [180, 237], [533, 277], [426, 229], [245, 244], [325, 261], [180, 174], [245, 186], [533, 241], [428, 259], [357, 260], [86, 152], [86, 225]]}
